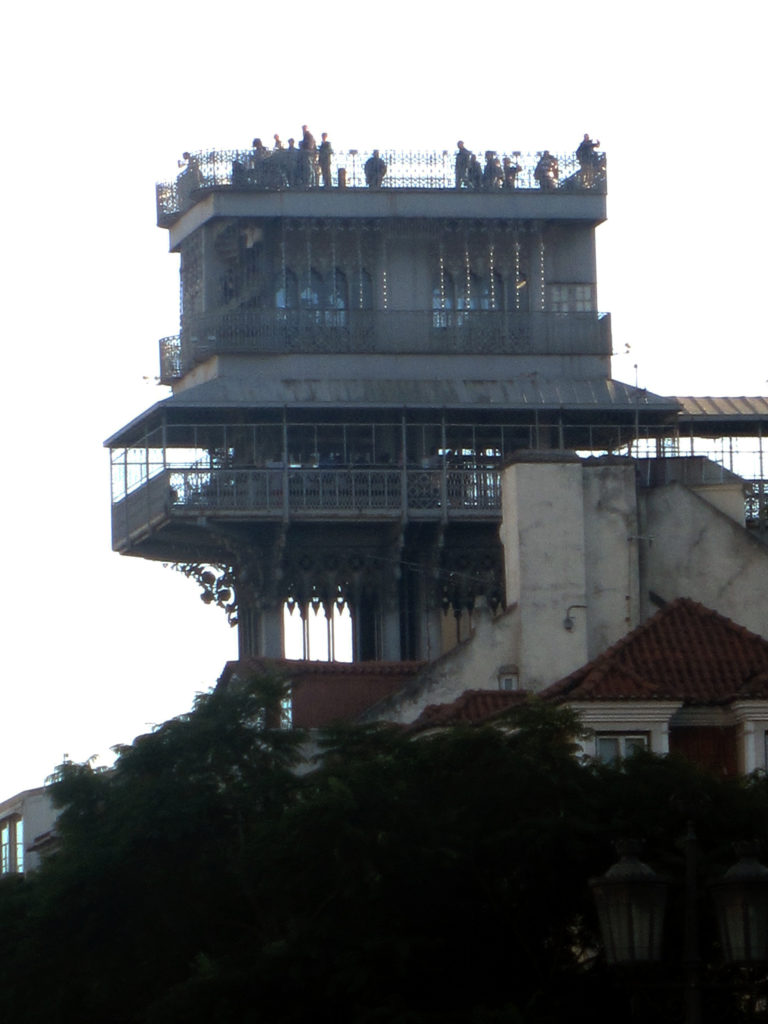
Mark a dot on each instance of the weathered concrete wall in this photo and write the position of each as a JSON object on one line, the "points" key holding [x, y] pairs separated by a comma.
{"points": [[580, 544], [728, 498], [611, 551], [472, 665], [697, 551], [543, 536]]}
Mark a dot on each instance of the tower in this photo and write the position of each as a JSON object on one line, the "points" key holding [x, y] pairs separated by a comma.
{"points": [[359, 351]]}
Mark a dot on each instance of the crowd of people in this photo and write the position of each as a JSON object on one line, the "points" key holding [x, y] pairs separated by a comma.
{"points": [[305, 165], [495, 176], [308, 165], [501, 175]]}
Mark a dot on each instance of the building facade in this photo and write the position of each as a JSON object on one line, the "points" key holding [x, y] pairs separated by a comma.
{"points": [[354, 364], [359, 355], [26, 830]]}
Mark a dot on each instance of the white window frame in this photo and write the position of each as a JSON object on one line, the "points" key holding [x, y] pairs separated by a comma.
{"points": [[12, 845], [626, 744]]}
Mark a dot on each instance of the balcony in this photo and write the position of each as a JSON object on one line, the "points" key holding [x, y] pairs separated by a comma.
{"points": [[244, 170], [186, 495], [154, 488], [355, 332]]}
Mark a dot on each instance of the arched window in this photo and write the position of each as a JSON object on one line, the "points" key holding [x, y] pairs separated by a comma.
{"points": [[337, 300], [323, 300], [312, 294], [287, 293]]}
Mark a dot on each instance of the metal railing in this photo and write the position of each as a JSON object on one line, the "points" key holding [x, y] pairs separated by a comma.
{"points": [[366, 331], [307, 493], [757, 506], [170, 359], [285, 170], [417, 493], [334, 490]]}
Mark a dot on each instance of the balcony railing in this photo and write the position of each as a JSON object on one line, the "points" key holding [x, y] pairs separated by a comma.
{"points": [[285, 170], [357, 491], [307, 493], [158, 496], [435, 332], [757, 506]]}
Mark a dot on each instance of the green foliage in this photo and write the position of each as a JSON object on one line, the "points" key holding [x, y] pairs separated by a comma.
{"points": [[396, 878]]}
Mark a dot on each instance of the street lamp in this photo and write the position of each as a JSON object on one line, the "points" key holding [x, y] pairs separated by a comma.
{"points": [[741, 906], [630, 900]]}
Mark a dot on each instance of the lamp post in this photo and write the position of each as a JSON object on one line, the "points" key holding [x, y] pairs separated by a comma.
{"points": [[631, 899], [741, 906]]}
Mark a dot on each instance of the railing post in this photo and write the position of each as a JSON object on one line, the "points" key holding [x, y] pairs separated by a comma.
{"points": [[762, 487], [286, 502], [444, 473]]}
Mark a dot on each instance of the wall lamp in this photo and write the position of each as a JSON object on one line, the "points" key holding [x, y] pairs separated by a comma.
{"points": [[568, 622]]}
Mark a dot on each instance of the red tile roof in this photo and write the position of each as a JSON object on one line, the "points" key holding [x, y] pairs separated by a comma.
{"points": [[686, 652], [472, 706]]}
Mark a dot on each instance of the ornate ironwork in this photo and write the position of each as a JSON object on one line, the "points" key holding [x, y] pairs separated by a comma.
{"points": [[332, 490], [432, 332], [421, 493], [274, 493], [170, 359], [217, 584], [757, 505], [421, 169]]}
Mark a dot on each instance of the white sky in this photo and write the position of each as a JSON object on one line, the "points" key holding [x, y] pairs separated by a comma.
{"points": [[101, 99]]}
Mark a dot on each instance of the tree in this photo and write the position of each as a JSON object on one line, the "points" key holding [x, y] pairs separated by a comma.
{"points": [[213, 874]]}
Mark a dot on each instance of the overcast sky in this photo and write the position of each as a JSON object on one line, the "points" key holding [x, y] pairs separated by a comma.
{"points": [[101, 100]]}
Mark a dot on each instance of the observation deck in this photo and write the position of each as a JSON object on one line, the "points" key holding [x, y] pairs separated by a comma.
{"points": [[186, 498], [416, 184]]}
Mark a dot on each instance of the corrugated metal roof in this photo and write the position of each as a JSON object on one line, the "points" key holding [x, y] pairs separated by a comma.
{"points": [[724, 407], [529, 391]]}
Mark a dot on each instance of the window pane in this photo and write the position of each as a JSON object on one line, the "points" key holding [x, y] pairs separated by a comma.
{"points": [[20, 846], [607, 748], [633, 743]]}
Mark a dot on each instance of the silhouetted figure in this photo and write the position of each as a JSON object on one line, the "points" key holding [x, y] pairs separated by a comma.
{"points": [[510, 172], [253, 172], [587, 158], [462, 165], [307, 158], [190, 177], [547, 172], [493, 176], [324, 156], [374, 169], [474, 174], [278, 143], [291, 157], [585, 153]]}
